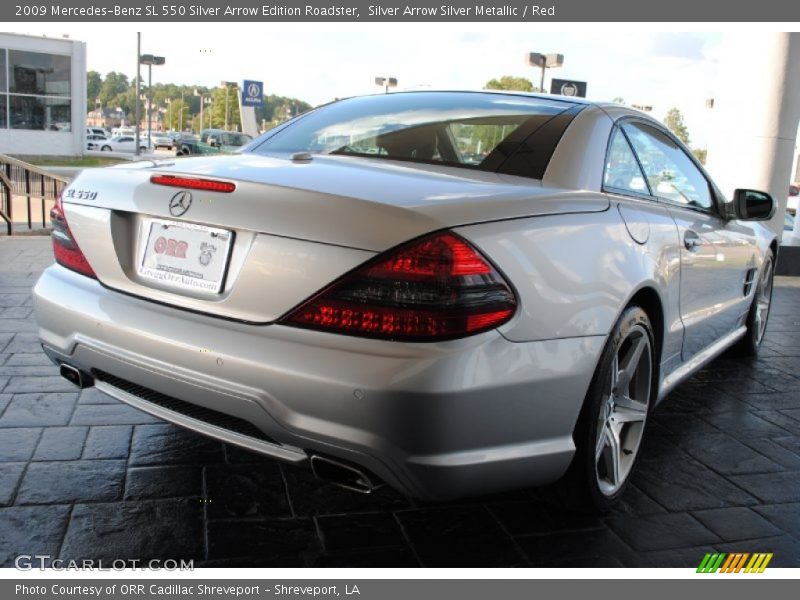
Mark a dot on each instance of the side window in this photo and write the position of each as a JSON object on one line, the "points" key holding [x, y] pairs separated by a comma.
{"points": [[670, 172], [622, 170]]}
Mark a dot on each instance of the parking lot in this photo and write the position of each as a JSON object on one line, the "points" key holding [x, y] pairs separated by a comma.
{"points": [[83, 476]]}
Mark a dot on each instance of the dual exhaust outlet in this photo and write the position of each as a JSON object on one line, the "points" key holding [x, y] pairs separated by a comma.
{"points": [[328, 469]]}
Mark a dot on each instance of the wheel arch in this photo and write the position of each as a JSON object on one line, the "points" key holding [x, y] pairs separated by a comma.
{"points": [[649, 300]]}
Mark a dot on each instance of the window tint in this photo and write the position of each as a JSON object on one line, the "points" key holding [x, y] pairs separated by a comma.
{"points": [[670, 172], [476, 139], [622, 169], [454, 129]]}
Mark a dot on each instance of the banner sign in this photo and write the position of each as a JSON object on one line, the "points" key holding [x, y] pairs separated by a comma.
{"points": [[566, 87], [219, 11]]}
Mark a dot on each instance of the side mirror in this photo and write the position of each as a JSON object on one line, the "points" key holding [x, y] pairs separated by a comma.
{"points": [[752, 205]]}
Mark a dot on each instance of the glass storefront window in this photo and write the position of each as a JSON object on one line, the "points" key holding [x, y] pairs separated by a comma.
{"points": [[3, 82], [35, 90], [32, 112], [38, 73]]}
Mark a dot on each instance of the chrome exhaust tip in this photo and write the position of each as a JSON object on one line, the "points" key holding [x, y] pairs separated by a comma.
{"points": [[343, 475], [76, 376]]}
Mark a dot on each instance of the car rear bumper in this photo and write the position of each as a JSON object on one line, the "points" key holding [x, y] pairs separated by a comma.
{"points": [[436, 421]]}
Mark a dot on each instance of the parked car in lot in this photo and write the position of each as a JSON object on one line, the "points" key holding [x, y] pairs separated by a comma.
{"points": [[95, 141], [125, 143], [352, 294], [214, 141], [96, 131], [162, 140]]}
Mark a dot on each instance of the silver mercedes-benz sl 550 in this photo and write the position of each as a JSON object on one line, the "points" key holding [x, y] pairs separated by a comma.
{"points": [[453, 293]]}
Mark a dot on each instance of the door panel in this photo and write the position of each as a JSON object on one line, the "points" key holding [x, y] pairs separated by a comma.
{"points": [[716, 254], [715, 258]]}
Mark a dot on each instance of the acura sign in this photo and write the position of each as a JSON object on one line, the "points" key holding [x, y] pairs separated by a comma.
{"points": [[252, 93]]}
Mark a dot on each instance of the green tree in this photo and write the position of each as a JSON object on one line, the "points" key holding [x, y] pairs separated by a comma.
{"points": [[277, 109], [173, 119], [700, 154], [674, 122], [113, 85], [508, 82], [218, 106], [94, 81]]}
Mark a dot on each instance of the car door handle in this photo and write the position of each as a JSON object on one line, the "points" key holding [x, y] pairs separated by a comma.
{"points": [[692, 241]]}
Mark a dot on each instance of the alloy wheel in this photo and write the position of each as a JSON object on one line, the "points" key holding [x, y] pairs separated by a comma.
{"points": [[763, 300], [624, 410]]}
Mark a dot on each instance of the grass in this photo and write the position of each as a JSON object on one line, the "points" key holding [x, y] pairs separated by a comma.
{"points": [[84, 161]]}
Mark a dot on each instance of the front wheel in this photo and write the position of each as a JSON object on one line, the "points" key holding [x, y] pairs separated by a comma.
{"points": [[759, 310], [106, 149], [611, 425]]}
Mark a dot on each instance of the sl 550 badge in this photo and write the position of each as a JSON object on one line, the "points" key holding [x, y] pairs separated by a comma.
{"points": [[80, 194]]}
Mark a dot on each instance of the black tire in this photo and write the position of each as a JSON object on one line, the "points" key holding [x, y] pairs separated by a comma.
{"points": [[185, 151], [583, 488], [105, 149], [757, 319]]}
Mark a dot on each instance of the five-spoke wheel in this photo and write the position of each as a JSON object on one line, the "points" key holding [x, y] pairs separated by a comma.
{"points": [[622, 414], [610, 428]]}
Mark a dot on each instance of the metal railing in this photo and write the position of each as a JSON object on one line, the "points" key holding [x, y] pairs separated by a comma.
{"points": [[18, 178]]}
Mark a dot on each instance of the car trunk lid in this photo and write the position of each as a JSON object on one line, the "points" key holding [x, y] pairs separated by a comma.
{"points": [[295, 226]]}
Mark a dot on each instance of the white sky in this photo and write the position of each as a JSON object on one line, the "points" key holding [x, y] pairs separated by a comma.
{"points": [[317, 63]]}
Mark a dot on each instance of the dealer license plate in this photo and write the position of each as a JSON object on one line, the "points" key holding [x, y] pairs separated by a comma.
{"points": [[185, 256]]}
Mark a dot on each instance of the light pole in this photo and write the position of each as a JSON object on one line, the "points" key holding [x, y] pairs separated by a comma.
{"points": [[228, 85], [150, 60], [136, 93], [146, 100], [168, 102], [386, 83], [544, 62], [202, 101], [180, 116]]}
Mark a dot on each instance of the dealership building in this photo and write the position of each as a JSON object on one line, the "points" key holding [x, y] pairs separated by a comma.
{"points": [[42, 95]]}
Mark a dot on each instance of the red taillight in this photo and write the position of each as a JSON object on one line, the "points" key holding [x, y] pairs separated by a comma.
{"points": [[435, 288], [193, 183], [65, 248]]}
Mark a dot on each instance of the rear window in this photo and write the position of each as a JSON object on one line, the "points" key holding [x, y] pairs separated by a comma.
{"points": [[470, 130]]}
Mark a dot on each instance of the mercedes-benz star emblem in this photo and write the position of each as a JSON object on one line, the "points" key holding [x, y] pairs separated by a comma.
{"points": [[180, 203]]}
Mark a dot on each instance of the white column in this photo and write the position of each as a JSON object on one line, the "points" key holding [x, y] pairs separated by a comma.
{"points": [[755, 116], [78, 93]]}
